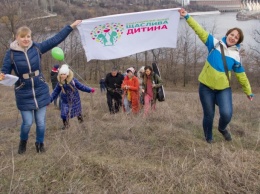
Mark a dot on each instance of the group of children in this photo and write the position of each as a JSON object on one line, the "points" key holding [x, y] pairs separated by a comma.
{"points": [[140, 88], [137, 87]]}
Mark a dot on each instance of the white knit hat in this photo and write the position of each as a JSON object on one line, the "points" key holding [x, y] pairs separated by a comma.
{"points": [[64, 69], [131, 69]]}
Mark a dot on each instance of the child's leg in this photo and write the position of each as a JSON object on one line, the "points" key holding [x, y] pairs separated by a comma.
{"points": [[65, 124], [147, 104], [65, 115], [126, 105]]}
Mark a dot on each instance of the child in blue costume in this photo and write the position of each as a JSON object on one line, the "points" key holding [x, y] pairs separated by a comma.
{"points": [[68, 86]]}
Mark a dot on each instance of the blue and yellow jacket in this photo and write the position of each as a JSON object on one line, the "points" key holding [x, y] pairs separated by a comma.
{"points": [[213, 73]]}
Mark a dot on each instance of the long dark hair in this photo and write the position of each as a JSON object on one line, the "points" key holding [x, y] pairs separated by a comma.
{"points": [[148, 67]]}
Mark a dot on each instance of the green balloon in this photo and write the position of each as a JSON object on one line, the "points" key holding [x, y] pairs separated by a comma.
{"points": [[57, 53]]}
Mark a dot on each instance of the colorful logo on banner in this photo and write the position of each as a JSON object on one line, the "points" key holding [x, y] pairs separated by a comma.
{"points": [[107, 34]]}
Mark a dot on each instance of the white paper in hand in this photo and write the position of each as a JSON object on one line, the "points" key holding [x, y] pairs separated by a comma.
{"points": [[9, 80]]}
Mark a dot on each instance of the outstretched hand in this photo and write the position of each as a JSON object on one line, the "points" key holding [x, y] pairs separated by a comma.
{"points": [[74, 24], [250, 97], [92, 90], [183, 12], [2, 76]]}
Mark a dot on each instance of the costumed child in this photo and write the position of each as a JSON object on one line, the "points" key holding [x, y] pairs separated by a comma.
{"points": [[68, 86], [131, 97]]}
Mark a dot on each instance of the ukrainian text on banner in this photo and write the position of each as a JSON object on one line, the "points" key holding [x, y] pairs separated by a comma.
{"points": [[121, 35]]}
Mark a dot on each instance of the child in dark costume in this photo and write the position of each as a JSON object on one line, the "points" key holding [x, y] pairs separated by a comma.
{"points": [[70, 99]]}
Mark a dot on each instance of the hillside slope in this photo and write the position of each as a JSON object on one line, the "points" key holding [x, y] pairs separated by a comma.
{"points": [[164, 153]]}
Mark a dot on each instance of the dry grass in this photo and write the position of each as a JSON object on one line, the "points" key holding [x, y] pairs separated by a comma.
{"points": [[164, 153]]}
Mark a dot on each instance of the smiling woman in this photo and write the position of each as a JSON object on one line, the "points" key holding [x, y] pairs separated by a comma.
{"points": [[214, 85], [31, 90], [234, 36], [23, 36]]}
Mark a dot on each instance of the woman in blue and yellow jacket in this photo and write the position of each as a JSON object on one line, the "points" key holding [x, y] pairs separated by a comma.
{"points": [[31, 90], [214, 81]]}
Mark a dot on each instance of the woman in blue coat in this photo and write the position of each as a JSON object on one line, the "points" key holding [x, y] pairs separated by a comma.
{"points": [[31, 90], [68, 86]]}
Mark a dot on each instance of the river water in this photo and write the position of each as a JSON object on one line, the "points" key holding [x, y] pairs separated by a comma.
{"points": [[224, 21]]}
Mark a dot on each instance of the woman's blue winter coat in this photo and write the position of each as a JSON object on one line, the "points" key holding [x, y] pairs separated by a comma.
{"points": [[32, 93]]}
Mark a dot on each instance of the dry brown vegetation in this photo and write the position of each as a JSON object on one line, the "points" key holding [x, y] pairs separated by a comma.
{"points": [[165, 153]]}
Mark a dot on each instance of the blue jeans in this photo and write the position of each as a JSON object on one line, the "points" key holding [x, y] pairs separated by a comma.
{"points": [[39, 116], [127, 104], [208, 98], [102, 88]]}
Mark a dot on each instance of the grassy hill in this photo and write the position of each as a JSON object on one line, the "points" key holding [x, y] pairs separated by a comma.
{"points": [[164, 153]]}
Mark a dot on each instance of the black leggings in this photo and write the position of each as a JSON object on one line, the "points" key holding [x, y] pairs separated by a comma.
{"points": [[114, 107]]}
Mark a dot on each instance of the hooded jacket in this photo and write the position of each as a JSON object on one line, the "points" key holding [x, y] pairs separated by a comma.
{"points": [[70, 98], [213, 73], [32, 93], [54, 79]]}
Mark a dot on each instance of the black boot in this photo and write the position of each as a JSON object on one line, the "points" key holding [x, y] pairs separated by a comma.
{"points": [[80, 118], [39, 147], [65, 124], [22, 146], [226, 135]]}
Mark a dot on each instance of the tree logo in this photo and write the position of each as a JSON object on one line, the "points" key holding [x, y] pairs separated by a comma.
{"points": [[107, 34]]}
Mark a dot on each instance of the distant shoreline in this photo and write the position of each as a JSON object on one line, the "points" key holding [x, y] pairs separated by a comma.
{"points": [[244, 15], [205, 13]]}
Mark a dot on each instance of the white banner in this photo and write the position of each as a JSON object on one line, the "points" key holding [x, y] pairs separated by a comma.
{"points": [[121, 35]]}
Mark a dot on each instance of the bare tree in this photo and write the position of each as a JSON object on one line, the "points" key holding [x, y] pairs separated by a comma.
{"points": [[9, 22], [172, 60], [16, 14], [256, 35], [185, 45]]}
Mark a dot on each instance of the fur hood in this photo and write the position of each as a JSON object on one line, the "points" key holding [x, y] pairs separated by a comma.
{"points": [[140, 72], [15, 46], [68, 79]]}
